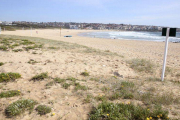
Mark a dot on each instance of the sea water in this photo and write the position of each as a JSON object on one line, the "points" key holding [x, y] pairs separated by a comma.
{"points": [[132, 35]]}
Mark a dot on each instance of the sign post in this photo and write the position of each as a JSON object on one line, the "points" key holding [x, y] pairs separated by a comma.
{"points": [[166, 32], [165, 54]]}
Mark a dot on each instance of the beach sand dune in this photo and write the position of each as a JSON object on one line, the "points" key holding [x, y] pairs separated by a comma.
{"points": [[102, 59]]}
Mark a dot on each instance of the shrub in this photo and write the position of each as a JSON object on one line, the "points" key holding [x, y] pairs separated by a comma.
{"points": [[33, 47], [126, 84], [40, 77], [19, 107], [178, 75], [120, 111], [3, 48], [125, 91], [164, 99], [101, 98], [6, 77], [49, 84], [26, 42], [128, 96], [59, 80], [85, 73], [88, 99], [43, 109], [18, 50], [141, 65], [52, 47], [1, 63], [31, 61], [66, 85], [71, 79], [153, 79], [79, 87], [11, 93]]}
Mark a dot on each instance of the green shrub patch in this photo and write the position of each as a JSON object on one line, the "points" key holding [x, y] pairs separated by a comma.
{"points": [[40, 77], [43, 109], [19, 107], [120, 111], [6, 77], [11, 93]]}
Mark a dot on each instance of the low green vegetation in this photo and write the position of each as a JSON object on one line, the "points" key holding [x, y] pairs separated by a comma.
{"points": [[10, 93], [1, 63], [19, 107], [52, 47], [66, 85], [6, 77], [72, 79], [7, 44], [178, 75], [17, 50], [153, 79], [31, 61], [49, 84], [164, 99], [33, 43], [40, 77], [88, 99], [101, 98], [85, 73], [78, 86], [43, 109], [59, 80], [3, 48], [125, 91], [33, 47], [121, 111], [142, 65]]}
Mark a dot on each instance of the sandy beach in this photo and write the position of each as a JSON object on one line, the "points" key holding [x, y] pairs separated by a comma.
{"points": [[127, 48], [101, 58]]}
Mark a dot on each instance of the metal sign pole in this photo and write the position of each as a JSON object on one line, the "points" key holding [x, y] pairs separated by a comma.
{"points": [[165, 54]]}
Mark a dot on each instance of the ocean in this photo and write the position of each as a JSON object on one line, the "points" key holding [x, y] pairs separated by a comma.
{"points": [[131, 35]]}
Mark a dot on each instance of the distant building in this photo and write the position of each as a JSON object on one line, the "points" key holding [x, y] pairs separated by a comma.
{"points": [[73, 27], [0, 22], [6, 23]]}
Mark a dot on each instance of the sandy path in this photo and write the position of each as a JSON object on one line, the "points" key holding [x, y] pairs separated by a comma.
{"points": [[127, 48]]}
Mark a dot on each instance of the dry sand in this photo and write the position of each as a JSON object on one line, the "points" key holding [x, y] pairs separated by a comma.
{"points": [[68, 104]]}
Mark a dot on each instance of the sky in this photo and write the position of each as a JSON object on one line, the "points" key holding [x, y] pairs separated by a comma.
{"points": [[135, 12]]}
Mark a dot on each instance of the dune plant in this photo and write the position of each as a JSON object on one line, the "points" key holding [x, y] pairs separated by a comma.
{"points": [[6, 77], [40, 77], [43, 109], [1, 63], [142, 65], [10, 93], [121, 111], [85, 73], [19, 107]]}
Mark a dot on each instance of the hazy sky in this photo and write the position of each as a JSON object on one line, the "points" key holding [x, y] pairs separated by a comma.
{"points": [[140, 12]]}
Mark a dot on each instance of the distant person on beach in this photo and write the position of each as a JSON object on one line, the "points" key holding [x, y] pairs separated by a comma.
{"points": [[36, 32]]}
